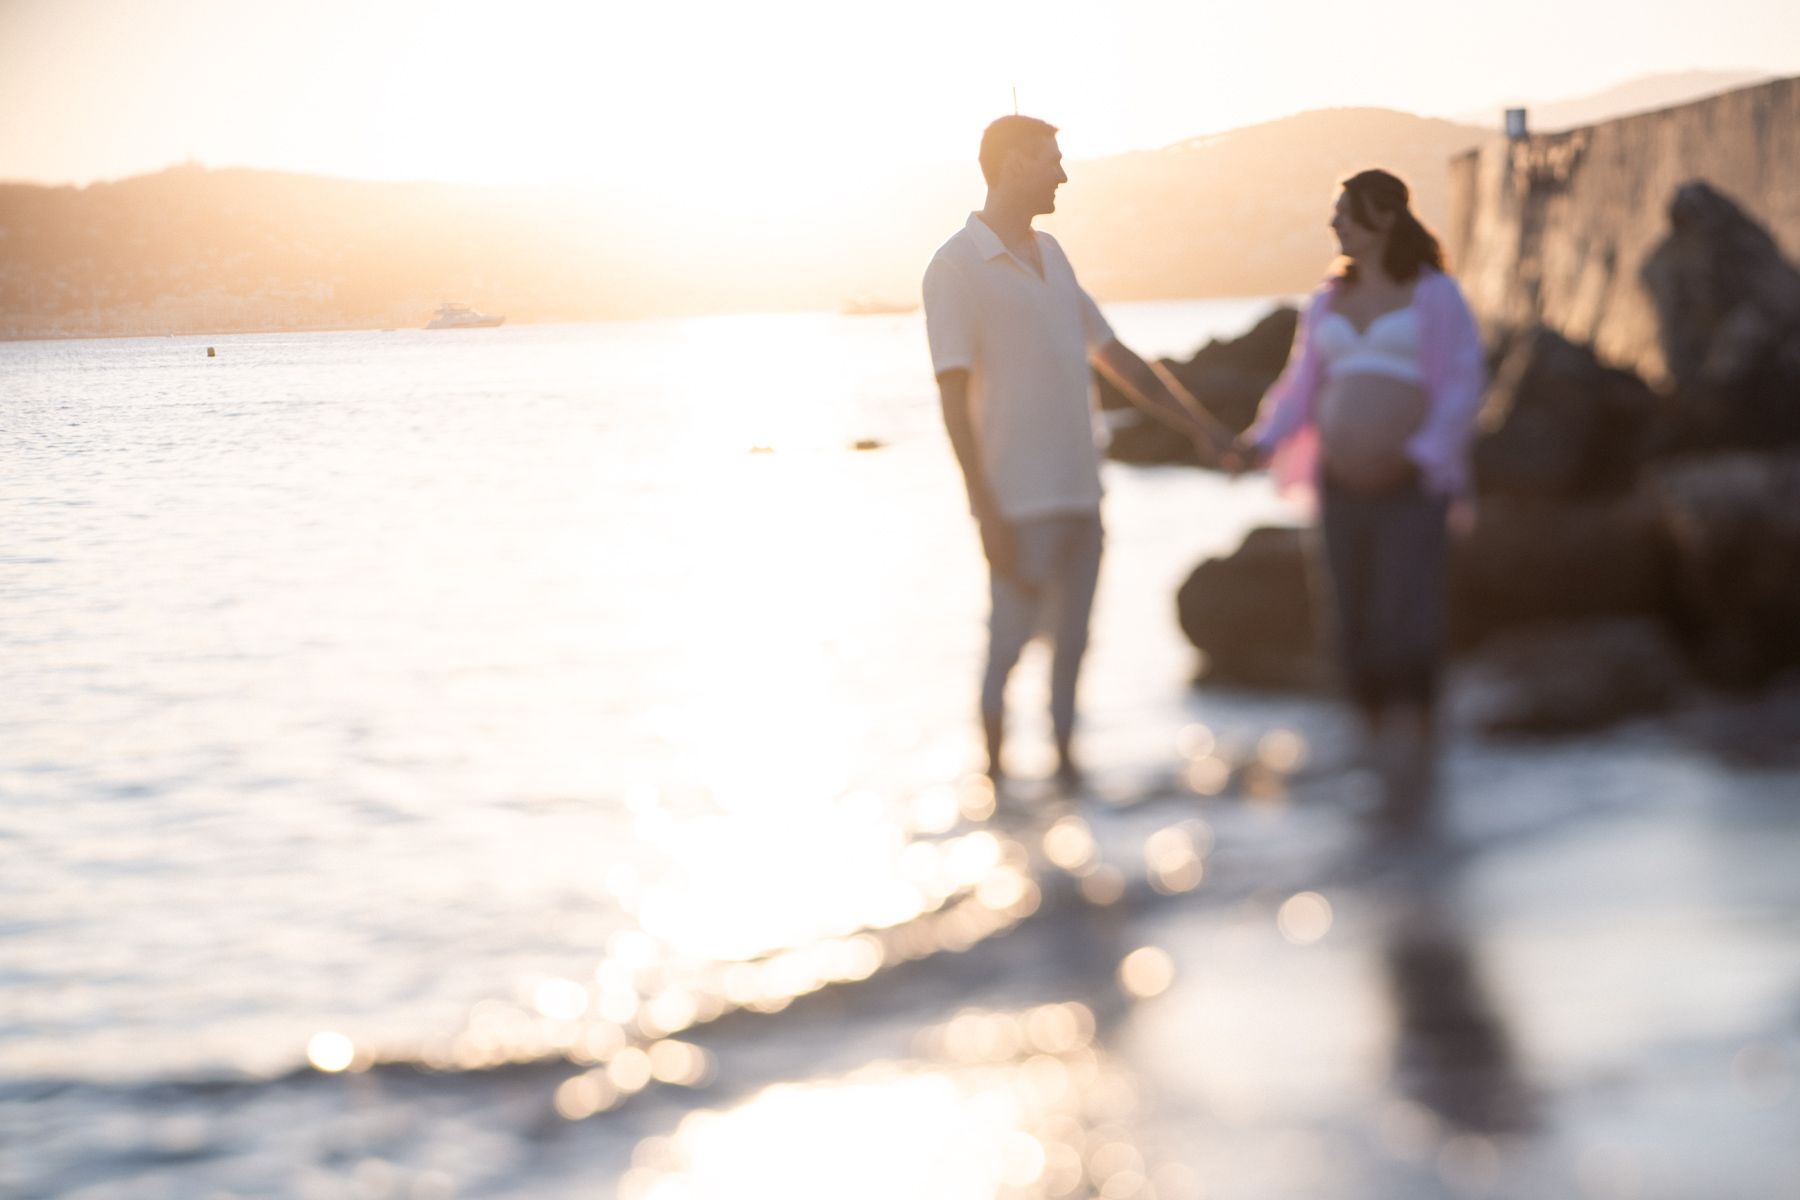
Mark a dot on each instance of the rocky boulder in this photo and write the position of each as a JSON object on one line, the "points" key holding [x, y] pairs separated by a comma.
{"points": [[1230, 376], [1528, 562], [1252, 613], [1533, 560], [1732, 524], [1728, 314], [1558, 424], [1753, 729], [1572, 677], [1142, 440]]}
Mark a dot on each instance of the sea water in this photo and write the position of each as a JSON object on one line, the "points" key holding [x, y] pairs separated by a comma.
{"points": [[355, 679]]}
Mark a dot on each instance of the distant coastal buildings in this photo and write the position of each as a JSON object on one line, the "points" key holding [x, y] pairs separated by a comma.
{"points": [[191, 250], [212, 310]]}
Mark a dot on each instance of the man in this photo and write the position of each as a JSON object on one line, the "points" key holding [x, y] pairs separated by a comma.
{"points": [[1012, 338]]}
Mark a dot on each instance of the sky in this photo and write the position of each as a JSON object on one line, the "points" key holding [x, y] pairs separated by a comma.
{"points": [[773, 98]]}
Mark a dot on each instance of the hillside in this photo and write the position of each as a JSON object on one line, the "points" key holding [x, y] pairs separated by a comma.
{"points": [[193, 249], [1246, 212]]}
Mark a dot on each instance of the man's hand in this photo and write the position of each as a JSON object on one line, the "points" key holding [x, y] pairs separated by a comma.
{"points": [[998, 539], [1250, 456], [1213, 447], [1155, 389], [1000, 543]]}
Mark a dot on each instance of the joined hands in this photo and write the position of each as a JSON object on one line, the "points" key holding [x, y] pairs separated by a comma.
{"points": [[1218, 449]]}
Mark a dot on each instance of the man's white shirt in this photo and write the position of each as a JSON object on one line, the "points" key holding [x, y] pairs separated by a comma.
{"points": [[1025, 342]]}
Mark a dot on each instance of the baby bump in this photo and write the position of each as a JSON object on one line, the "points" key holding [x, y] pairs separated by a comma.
{"points": [[1365, 422]]}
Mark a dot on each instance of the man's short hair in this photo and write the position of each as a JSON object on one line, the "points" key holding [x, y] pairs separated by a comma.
{"points": [[1006, 137]]}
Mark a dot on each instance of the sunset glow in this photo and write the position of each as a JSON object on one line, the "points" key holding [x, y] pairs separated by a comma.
{"points": [[701, 157], [751, 105]]}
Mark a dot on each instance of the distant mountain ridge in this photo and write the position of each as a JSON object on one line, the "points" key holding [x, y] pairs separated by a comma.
{"points": [[190, 249], [1244, 211], [193, 249]]}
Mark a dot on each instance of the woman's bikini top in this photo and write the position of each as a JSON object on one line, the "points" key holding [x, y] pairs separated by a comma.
{"points": [[1388, 347]]}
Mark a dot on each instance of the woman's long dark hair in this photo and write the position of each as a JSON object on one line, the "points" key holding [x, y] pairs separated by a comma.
{"points": [[1411, 246]]}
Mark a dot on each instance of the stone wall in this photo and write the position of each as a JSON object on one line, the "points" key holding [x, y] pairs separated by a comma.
{"points": [[1553, 229]]}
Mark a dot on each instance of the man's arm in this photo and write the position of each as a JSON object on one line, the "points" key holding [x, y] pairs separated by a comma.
{"points": [[996, 534], [1157, 392]]}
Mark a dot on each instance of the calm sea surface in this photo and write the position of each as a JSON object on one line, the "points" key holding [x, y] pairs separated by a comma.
{"points": [[353, 679]]}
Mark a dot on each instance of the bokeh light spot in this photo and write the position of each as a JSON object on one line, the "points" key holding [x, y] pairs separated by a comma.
{"points": [[1195, 741], [560, 999], [1209, 775], [1282, 750], [1146, 972], [1104, 885], [1173, 860], [1069, 844], [630, 1070], [1304, 918], [585, 1095], [1023, 1160], [332, 1052]]}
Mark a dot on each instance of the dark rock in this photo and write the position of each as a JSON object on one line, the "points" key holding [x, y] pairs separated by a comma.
{"points": [[1733, 527], [1573, 677], [1527, 562], [1264, 348], [1558, 424], [1228, 378], [1535, 560], [1251, 613], [1728, 314], [1144, 441], [1754, 729], [1232, 394]]}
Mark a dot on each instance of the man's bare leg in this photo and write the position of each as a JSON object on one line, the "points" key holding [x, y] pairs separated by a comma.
{"points": [[1068, 771], [993, 726], [1071, 602]]}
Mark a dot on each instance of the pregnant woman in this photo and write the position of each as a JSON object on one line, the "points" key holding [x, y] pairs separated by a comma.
{"points": [[1376, 407]]}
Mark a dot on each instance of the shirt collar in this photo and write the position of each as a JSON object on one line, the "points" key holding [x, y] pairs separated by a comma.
{"points": [[985, 239]]}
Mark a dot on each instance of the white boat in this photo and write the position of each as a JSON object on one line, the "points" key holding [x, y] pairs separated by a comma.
{"points": [[461, 316]]}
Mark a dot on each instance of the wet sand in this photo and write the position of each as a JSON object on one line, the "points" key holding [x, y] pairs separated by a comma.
{"points": [[1214, 983], [1587, 985]]}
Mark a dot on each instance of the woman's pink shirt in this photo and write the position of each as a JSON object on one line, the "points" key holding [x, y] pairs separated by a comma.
{"points": [[1450, 360]]}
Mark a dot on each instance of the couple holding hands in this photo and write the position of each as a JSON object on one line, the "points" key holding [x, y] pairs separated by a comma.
{"points": [[1374, 410]]}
